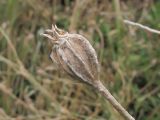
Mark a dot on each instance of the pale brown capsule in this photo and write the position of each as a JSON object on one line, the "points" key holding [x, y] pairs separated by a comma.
{"points": [[74, 54], [78, 58]]}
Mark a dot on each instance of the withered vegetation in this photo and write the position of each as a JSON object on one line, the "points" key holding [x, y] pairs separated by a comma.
{"points": [[33, 88]]}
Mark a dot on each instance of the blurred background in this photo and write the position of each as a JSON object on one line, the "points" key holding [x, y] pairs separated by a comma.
{"points": [[33, 88]]}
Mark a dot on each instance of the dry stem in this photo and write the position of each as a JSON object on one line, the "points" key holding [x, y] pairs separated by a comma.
{"points": [[142, 26], [103, 90]]}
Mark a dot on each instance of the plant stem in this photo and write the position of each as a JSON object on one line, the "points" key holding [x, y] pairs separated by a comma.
{"points": [[103, 90], [142, 26]]}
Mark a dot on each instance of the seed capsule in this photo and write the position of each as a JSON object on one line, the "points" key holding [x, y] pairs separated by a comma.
{"points": [[78, 58], [74, 54]]}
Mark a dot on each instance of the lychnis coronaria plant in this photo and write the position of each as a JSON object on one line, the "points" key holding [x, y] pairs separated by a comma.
{"points": [[75, 55]]}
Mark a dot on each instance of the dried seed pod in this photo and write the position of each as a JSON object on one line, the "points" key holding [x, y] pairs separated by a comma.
{"points": [[74, 54], [78, 58]]}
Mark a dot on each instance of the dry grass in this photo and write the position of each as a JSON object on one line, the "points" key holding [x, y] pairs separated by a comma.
{"points": [[33, 88]]}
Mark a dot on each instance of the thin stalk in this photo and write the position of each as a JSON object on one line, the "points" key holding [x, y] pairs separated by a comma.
{"points": [[105, 93], [142, 26]]}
